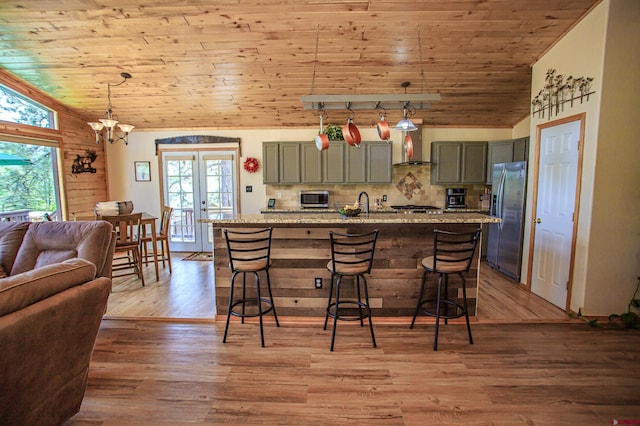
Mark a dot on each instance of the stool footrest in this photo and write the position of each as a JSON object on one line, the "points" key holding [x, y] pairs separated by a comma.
{"points": [[460, 311], [363, 310], [253, 302]]}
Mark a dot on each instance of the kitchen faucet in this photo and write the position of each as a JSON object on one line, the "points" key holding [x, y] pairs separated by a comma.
{"points": [[366, 208]]}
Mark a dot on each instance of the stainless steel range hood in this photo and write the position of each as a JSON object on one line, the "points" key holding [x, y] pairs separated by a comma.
{"points": [[416, 160]]}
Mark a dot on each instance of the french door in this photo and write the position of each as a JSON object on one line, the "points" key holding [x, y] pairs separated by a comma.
{"points": [[198, 185]]}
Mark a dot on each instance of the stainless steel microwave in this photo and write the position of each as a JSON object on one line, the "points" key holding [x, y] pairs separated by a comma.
{"points": [[314, 199]]}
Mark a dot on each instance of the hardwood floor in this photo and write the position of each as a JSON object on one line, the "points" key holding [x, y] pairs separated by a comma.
{"points": [[161, 373], [530, 364], [189, 294]]}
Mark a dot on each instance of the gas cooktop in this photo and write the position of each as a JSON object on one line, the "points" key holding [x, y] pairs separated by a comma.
{"points": [[414, 208]]}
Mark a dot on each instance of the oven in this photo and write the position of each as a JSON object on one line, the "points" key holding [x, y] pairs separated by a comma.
{"points": [[314, 199]]}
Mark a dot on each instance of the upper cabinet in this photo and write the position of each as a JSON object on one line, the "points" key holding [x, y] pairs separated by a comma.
{"points": [[521, 149], [301, 162], [290, 170], [379, 169], [458, 162], [506, 151], [311, 163], [270, 163], [333, 160]]}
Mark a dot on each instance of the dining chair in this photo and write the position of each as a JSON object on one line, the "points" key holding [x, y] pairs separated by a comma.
{"points": [[127, 254], [162, 237]]}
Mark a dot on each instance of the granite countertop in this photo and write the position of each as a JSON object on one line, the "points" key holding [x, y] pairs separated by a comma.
{"points": [[298, 210], [334, 218]]}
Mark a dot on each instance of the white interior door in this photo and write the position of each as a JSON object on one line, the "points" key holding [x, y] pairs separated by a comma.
{"points": [[199, 184], [555, 208]]}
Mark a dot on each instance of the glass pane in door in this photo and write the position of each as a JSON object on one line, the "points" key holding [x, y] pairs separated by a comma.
{"points": [[220, 188], [180, 196]]}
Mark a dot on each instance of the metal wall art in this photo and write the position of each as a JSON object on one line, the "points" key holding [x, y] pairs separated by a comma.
{"points": [[83, 163], [559, 90]]}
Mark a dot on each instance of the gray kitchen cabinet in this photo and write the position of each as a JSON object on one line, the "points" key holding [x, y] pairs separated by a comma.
{"points": [[506, 151], [270, 163], [474, 162], [458, 162], [301, 162], [311, 163], [378, 157], [521, 149], [289, 157], [333, 162], [356, 171], [446, 156]]}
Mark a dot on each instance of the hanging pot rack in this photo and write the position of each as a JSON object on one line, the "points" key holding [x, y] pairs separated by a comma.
{"points": [[387, 101], [370, 102]]}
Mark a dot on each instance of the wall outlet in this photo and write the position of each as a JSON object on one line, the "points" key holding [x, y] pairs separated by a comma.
{"points": [[248, 188], [279, 195], [318, 282], [384, 198]]}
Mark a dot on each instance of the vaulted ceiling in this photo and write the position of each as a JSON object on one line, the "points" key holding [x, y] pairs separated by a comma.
{"points": [[246, 63]]}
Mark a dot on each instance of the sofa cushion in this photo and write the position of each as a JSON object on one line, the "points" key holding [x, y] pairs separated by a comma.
{"points": [[11, 235], [20, 291], [46, 243]]}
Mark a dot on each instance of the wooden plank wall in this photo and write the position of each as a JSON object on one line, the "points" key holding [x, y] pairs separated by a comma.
{"points": [[299, 254], [81, 191]]}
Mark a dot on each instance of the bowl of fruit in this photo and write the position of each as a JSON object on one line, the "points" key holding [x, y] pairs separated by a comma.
{"points": [[349, 210]]}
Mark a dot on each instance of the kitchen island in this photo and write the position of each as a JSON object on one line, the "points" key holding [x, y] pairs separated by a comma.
{"points": [[300, 251]]}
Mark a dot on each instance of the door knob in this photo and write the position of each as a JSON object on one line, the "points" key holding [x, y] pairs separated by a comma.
{"points": [[538, 220]]}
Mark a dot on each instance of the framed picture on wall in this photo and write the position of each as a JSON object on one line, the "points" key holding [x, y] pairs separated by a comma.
{"points": [[143, 171]]}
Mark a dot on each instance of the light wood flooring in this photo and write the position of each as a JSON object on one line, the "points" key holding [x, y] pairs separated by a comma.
{"points": [[188, 294], [529, 365], [161, 373]]}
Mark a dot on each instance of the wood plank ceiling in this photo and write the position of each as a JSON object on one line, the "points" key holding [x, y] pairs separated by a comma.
{"points": [[246, 63]]}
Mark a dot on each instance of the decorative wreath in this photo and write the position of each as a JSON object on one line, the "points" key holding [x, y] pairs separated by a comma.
{"points": [[251, 165]]}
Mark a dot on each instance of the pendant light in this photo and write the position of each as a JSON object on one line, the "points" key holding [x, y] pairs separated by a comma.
{"points": [[405, 124]]}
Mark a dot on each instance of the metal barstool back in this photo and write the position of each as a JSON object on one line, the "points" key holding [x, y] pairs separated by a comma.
{"points": [[453, 253], [249, 252], [351, 256]]}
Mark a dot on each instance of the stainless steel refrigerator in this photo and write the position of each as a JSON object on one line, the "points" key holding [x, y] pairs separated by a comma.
{"points": [[504, 248]]}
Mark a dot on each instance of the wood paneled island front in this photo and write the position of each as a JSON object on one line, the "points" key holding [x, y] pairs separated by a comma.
{"points": [[300, 251]]}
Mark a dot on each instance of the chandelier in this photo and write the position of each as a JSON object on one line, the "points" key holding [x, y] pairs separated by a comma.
{"points": [[110, 122]]}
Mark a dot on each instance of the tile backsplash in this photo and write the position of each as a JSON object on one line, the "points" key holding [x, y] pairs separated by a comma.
{"points": [[410, 185]]}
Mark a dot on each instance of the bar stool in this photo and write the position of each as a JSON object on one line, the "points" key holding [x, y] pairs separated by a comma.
{"points": [[351, 256], [249, 252], [452, 254]]}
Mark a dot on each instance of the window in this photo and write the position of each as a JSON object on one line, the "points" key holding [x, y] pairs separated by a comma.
{"points": [[29, 182], [17, 108]]}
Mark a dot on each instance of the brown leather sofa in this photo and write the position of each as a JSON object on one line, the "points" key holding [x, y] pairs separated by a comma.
{"points": [[51, 304]]}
